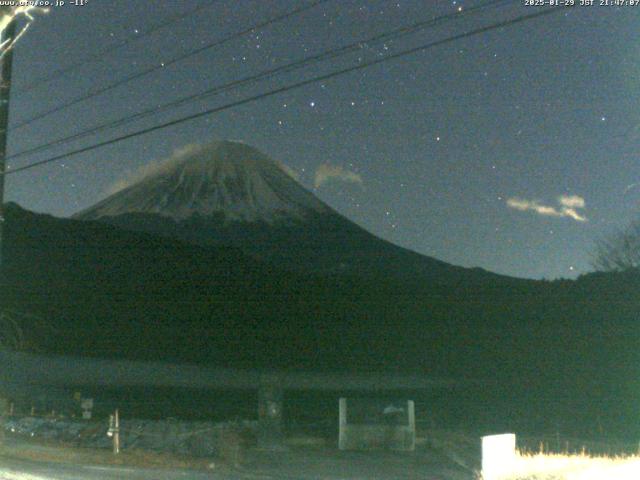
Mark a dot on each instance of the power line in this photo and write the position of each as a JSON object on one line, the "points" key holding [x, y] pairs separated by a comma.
{"points": [[162, 65], [328, 54], [98, 56], [300, 84]]}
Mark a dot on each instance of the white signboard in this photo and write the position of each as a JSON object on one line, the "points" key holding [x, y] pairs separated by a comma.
{"points": [[498, 456]]}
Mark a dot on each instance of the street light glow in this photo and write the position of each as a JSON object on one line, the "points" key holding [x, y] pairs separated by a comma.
{"points": [[8, 15]]}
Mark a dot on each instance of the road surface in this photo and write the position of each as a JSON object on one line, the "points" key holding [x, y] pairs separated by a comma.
{"points": [[18, 469], [20, 460]]}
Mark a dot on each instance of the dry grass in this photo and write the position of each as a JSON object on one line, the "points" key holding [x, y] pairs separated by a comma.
{"points": [[464, 449], [545, 466]]}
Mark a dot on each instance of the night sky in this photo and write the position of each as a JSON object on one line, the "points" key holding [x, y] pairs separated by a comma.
{"points": [[513, 150]]}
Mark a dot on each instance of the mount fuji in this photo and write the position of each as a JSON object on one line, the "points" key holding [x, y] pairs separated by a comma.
{"points": [[228, 180], [230, 194]]}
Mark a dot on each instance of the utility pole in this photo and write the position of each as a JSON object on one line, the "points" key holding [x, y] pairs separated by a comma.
{"points": [[7, 37]]}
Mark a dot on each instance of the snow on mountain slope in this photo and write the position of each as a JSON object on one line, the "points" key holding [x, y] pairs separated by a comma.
{"points": [[230, 194], [227, 178]]}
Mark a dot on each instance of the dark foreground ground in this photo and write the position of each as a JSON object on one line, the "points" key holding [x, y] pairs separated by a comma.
{"points": [[23, 459]]}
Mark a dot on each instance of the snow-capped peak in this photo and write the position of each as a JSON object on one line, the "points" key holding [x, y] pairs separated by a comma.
{"points": [[228, 178]]}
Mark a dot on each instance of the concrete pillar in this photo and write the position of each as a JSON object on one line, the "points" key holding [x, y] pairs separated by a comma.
{"points": [[410, 438], [270, 424], [342, 424]]}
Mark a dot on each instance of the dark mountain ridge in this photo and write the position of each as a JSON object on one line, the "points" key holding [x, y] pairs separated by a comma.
{"points": [[92, 278], [228, 193]]}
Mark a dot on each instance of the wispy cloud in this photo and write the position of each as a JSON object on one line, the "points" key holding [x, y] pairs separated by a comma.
{"points": [[524, 205], [567, 207], [152, 168], [571, 201], [327, 172], [572, 213]]}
